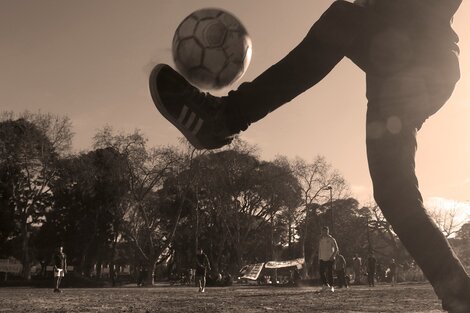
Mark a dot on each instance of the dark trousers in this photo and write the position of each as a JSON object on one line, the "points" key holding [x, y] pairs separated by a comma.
{"points": [[326, 272], [404, 87], [341, 278], [370, 278]]}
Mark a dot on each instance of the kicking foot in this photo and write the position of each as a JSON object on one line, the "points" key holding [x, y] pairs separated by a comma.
{"points": [[199, 116]]}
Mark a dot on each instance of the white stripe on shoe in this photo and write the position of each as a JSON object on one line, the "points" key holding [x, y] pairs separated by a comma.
{"points": [[182, 115], [196, 129], [190, 120]]}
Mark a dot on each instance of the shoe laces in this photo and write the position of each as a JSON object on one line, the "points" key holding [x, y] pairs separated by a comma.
{"points": [[202, 99]]}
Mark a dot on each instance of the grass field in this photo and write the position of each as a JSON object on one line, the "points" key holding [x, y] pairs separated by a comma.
{"points": [[250, 299]]}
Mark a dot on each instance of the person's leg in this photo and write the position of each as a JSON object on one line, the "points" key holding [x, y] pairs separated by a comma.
{"points": [[203, 280], [357, 277], [391, 147], [329, 273], [210, 122], [322, 269], [340, 31], [340, 274]]}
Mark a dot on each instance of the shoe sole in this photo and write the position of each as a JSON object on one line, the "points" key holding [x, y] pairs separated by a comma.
{"points": [[161, 108]]}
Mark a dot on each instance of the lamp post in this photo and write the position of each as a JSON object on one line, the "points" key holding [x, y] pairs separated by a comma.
{"points": [[331, 208]]}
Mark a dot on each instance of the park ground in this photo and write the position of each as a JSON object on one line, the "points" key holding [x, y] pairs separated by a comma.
{"points": [[240, 299]]}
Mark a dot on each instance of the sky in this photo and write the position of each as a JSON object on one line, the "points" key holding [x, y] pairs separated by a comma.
{"points": [[90, 60]]}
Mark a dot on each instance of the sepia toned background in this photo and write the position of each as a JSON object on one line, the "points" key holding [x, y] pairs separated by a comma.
{"points": [[90, 60]]}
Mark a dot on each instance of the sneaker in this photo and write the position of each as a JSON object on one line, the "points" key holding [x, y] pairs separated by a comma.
{"points": [[199, 116], [332, 289], [203, 290]]}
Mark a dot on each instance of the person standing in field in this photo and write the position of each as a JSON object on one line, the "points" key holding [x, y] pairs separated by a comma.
{"points": [[202, 267], [59, 262], [393, 272], [357, 268], [371, 266]]}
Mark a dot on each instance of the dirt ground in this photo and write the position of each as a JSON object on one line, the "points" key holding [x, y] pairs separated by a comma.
{"points": [[250, 299]]}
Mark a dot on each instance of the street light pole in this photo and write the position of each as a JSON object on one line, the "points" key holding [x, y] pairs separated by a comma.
{"points": [[331, 208]]}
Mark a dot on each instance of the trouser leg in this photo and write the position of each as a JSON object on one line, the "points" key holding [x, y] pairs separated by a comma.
{"points": [[329, 273], [327, 42], [323, 267], [391, 149]]}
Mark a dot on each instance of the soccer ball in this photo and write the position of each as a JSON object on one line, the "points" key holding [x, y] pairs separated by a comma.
{"points": [[211, 48]]}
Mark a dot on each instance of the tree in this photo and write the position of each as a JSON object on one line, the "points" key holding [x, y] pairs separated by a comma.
{"points": [[236, 201], [27, 164], [447, 218], [89, 207], [30, 144], [462, 243], [148, 226], [316, 179], [281, 192]]}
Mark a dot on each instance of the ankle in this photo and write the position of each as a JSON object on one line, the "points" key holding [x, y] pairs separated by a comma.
{"points": [[234, 117]]}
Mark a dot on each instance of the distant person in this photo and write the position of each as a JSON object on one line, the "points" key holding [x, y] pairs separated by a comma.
{"points": [[59, 263], [371, 268], [141, 275], [380, 273], [409, 54], [340, 265], [191, 272], [202, 267], [393, 272], [357, 268], [327, 250], [296, 277]]}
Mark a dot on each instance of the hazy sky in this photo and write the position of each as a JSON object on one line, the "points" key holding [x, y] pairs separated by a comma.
{"points": [[90, 60]]}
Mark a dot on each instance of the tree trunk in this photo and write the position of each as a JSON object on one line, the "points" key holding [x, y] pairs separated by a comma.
{"points": [[150, 278], [289, 241], [112, 270], [99, 267], [304, 241], [26, 262]]}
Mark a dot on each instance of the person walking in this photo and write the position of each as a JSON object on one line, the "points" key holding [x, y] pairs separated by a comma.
{"points": [[327, 251]]}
